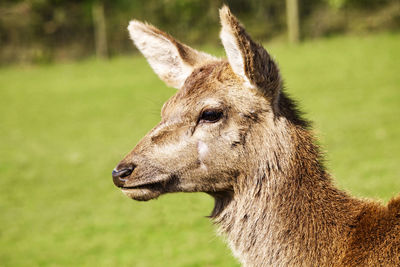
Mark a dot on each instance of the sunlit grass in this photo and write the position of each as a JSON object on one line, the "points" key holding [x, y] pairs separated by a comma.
{"points": [[64, 127]]}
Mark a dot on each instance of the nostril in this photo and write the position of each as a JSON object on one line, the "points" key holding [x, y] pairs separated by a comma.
{"points": [[122, 173], [125, 172], [118, 175]]}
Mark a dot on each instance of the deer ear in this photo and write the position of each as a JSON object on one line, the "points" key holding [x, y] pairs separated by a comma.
{"points": [[172, 61], [249, 60]]}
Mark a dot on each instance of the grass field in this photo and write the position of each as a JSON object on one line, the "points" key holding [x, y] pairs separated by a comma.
{"points": [[64, 127]]}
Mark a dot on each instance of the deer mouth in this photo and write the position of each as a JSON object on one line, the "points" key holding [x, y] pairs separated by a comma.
{"points": [[148, 190]]}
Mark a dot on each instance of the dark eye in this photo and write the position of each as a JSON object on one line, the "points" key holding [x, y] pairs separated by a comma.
{"points": [[211, 115]]}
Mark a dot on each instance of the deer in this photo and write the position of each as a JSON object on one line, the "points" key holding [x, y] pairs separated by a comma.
{"points": [[233, 132]]}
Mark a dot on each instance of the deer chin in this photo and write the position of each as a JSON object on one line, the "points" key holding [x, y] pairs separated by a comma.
{"points": [[141, 194]]}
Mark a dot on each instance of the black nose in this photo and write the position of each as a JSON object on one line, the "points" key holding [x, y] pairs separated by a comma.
{"points": [[119, 175]]}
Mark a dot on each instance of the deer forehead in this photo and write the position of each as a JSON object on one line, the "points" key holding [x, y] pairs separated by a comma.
{"points": [[211, 85]]}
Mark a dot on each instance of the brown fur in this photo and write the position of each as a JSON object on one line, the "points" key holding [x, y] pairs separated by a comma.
{"points": [[274, 200]]}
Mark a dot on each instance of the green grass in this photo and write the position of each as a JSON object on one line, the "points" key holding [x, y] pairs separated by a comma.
{"points": [[64, 127]]}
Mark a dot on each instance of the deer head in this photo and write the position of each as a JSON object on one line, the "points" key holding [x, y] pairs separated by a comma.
{"points": [[211, 130]]}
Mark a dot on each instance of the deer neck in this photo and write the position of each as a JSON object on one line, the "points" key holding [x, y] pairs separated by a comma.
{"points": [[286, 216]]}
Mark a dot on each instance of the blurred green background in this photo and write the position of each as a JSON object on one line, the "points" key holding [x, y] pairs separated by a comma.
{"points": [[43, 31], [67, 118]]}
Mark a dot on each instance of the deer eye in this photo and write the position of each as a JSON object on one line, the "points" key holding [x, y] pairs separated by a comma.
{"points": [[211, 115]]}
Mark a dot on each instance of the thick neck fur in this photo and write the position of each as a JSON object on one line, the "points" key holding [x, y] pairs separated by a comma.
{"points": [[285, 212]]}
